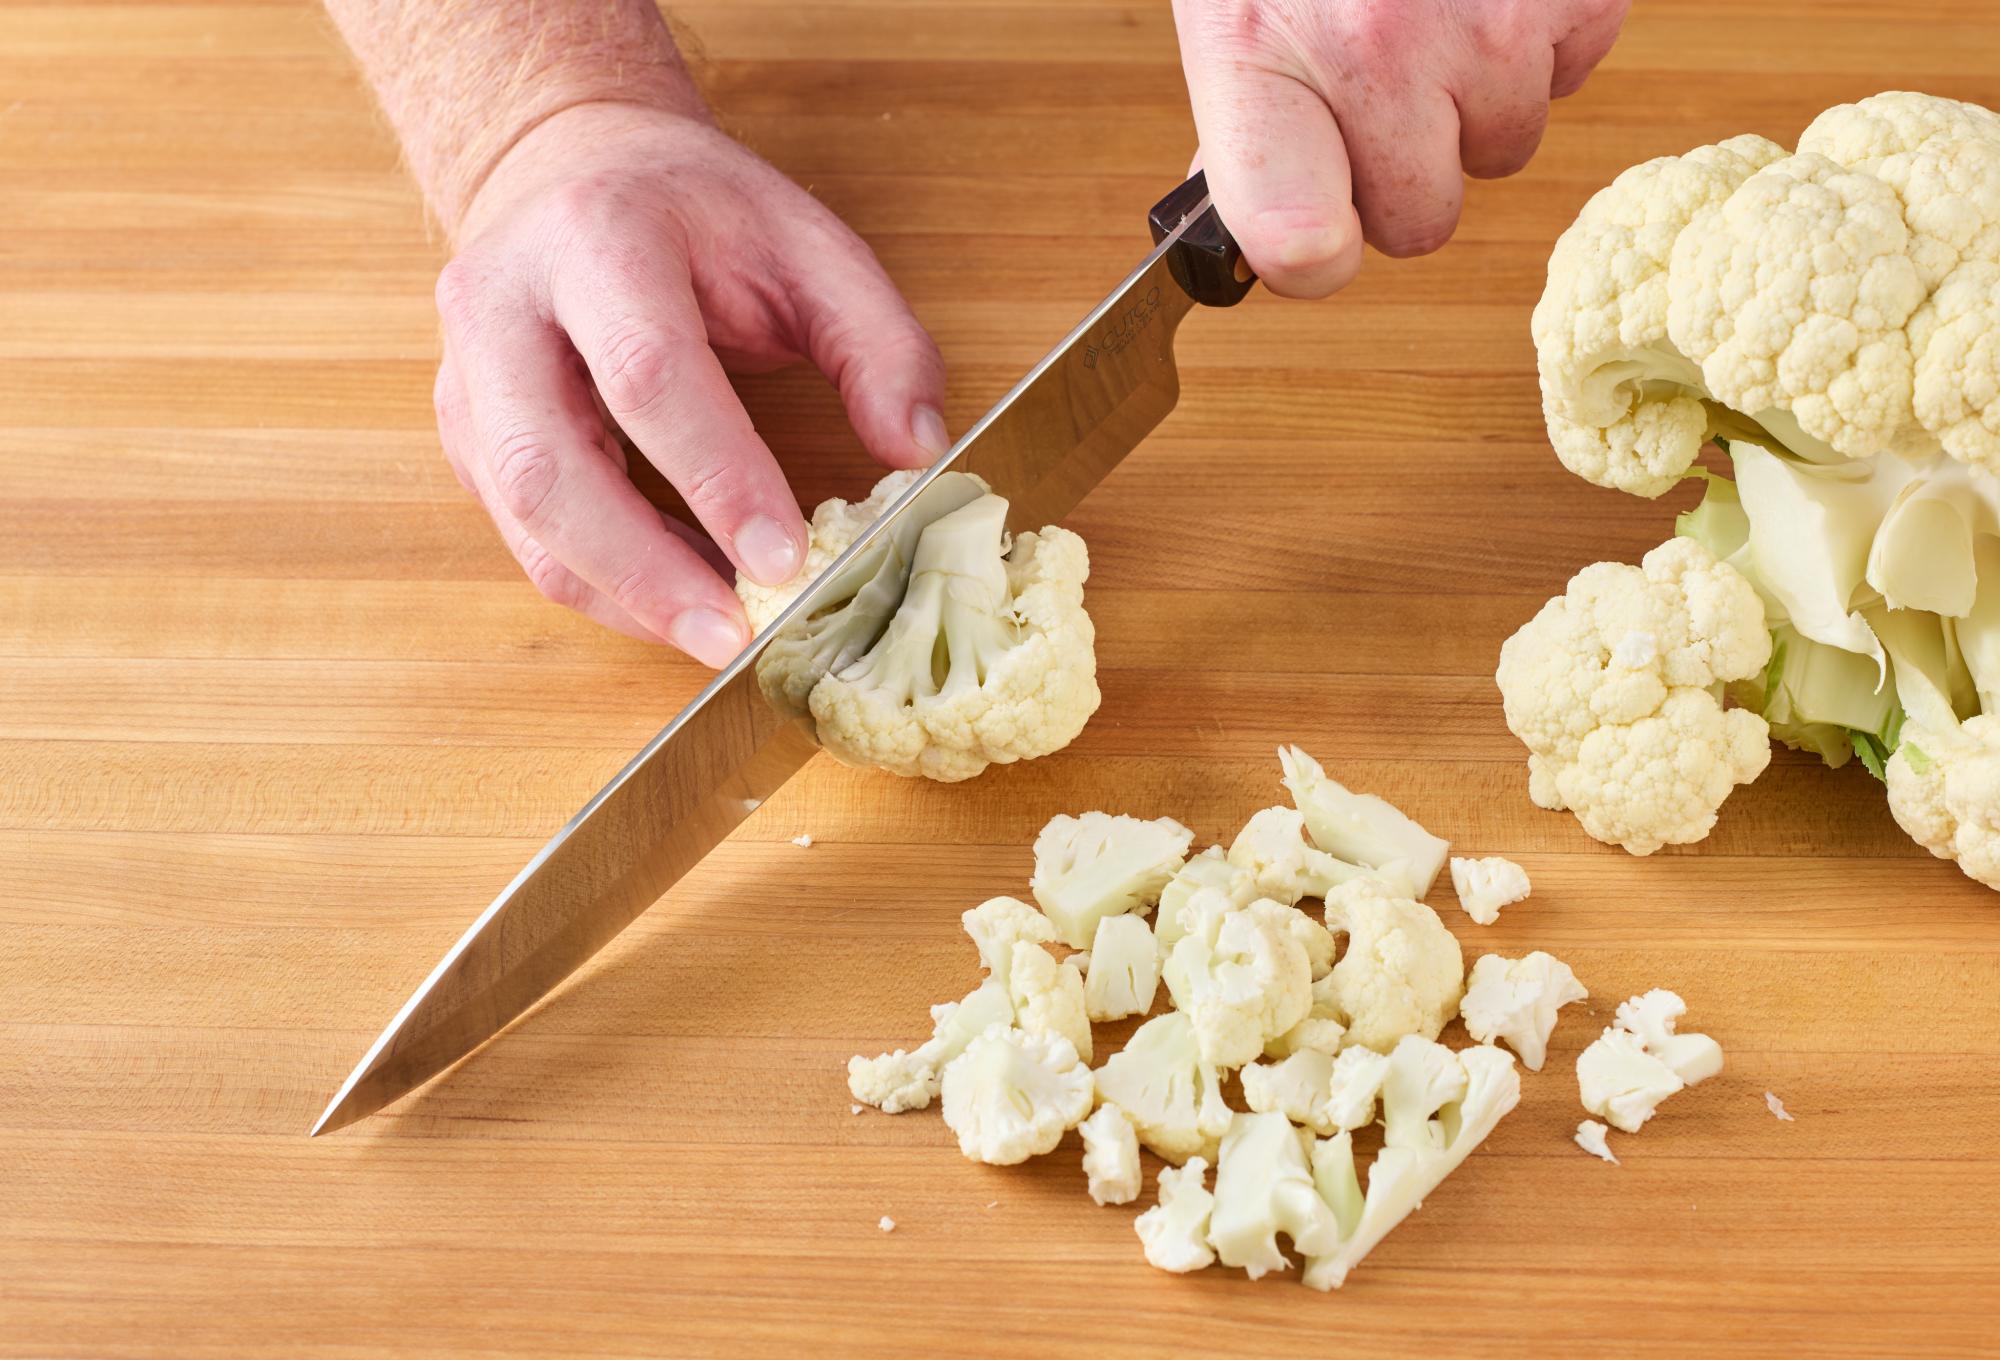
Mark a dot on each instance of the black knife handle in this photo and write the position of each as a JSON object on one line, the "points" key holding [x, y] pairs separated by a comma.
{"points": [[1205, 261]]}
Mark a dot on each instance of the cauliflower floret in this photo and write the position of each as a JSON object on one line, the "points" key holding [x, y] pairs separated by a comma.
{"points": [[835, 525], [1124, 969], [1437, 1107], [1209, 872], [1097, 865], [1272, 849], [1172, 1097], [1353, 1087], [1047, 997], [899, 1081], [1111, 1156], [989, 659], [1944, 789], [1957, 338], [1242, 978], [1401, 972], [1644, 755], [1264, 1187], [1361, 828], [1590, 1136], [1639, 1061], [1295, 1087], [997, 925], [1485, 885], [1517, 1000], [1175, 1231], [1011, 1095]]}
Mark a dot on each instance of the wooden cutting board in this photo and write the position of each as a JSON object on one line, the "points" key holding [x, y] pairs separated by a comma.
{"points": [[277, 716]]}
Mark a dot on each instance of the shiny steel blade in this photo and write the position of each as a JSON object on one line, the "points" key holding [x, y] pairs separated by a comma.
{"points": [[1044, 446]]}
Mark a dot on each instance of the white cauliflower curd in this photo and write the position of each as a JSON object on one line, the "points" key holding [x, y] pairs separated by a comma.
{"points": [[1012, 1095], [1401, 971]]}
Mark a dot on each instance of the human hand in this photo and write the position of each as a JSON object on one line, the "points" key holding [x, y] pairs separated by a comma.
{"points": [[646, 255], [1324, 123]]}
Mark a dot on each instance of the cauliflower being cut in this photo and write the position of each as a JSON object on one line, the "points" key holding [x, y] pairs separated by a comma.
{"points": [[997, 925], [1401, 972], [1209, 875], [1517, 1000], [1483, 886], [1264, 1188], [1175, 1231], [988, 659], [1639, 1061], [1295, 1087], [1047, 997], [1353, 1088], [1123, 972], [899, 1081], [1111, 1156], [1644, 756], [835, 525], [1242, 978], [1437, 1107], [1011, 1095], [1361, 828], [1172, 1097], [1097, 865], [1591, 1137], [1273, 850]]}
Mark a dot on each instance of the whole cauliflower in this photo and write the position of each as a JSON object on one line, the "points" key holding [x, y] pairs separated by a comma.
{"points": [[1401, 972], [1615, 689], [1944, 789]]}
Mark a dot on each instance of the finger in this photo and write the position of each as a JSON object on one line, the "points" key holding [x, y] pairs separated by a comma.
{"points": [[1277, 170], [1502, 115], [1408, 185], [448, 401], [1578, 52], [861, 334], [540, 450], [634, 320]]}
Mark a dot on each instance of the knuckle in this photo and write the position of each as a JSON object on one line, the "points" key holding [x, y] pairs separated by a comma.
{"points": [[630, 589], [632, 369], [556, 583], [526, 471], [457, 292]]}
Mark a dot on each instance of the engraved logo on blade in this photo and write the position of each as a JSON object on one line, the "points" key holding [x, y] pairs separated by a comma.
{"points": [[1122, 329]]}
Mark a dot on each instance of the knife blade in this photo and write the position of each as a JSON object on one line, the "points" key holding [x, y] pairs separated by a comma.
{"points": [[1043, 446]]}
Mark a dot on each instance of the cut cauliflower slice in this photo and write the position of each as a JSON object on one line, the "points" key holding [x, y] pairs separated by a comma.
{"points": [[1047, 997], [1517, 1000], [1011, 1095], [1111, 1156], [1401, 972], [997, 925], [1485, 885], [1437, 1107], [1209, 873], [989, 658], [1097, 865], [1172, 1097], [1944, 789], [1353, 1088], [899, 1081], [1242, 978], [1124, 969], [1295, 1087], [1264, 1188], [1643, 755], [1639, 1061], [1273, 850], [1175, 1231], [1361, 828]]}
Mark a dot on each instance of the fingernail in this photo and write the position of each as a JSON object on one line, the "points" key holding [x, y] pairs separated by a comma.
{"points": [[709, 637], [927, 428], [769, 551]]}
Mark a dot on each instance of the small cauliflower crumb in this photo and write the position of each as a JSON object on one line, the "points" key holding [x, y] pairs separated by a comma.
{"points": [[887, 1224], [803, 840], [1777, 1107], [1590, 1136], [854, 1109]]}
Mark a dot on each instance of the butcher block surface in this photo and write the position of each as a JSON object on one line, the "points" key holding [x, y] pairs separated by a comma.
{"points": [[278, 715]]}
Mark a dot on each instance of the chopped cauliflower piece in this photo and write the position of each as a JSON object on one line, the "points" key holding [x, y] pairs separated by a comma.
{"points": [[1211, 873], [1296, 1088], [1047, 997], [1321, 1033], [1401, 972], [899, 1081], [1122, 969], [803, 840], [1011, 1095], [1096, 865], [1486, 885], [1423, 1142], [1590, 1136], [1175, 1231], [1172, 1097], [1111, 1156], [1272, 848], [1517, 1000], [1640, 1061], [886, 1224], [1359, 827], [1241, 977], [1264, 1187], [1777, 1108], [1644, 756], [1353, 1086], [997, 925]]}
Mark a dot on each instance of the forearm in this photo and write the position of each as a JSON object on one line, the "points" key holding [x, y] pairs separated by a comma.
{"points": [[463, 80]]}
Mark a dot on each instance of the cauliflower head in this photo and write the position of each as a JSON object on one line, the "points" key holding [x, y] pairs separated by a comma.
{"points": [[1401, 972], [1012, 1095], [1614, 687], [1944, 789]]}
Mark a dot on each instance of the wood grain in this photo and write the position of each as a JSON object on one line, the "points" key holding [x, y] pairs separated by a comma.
{"points": [[277, 716]]}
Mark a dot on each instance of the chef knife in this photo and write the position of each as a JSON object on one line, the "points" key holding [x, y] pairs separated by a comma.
{"points": [[1051, 439]]}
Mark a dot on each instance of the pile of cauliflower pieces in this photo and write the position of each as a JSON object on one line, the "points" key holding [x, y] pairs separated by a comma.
{"points": [[1321, 1035], [1829, 318]]}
